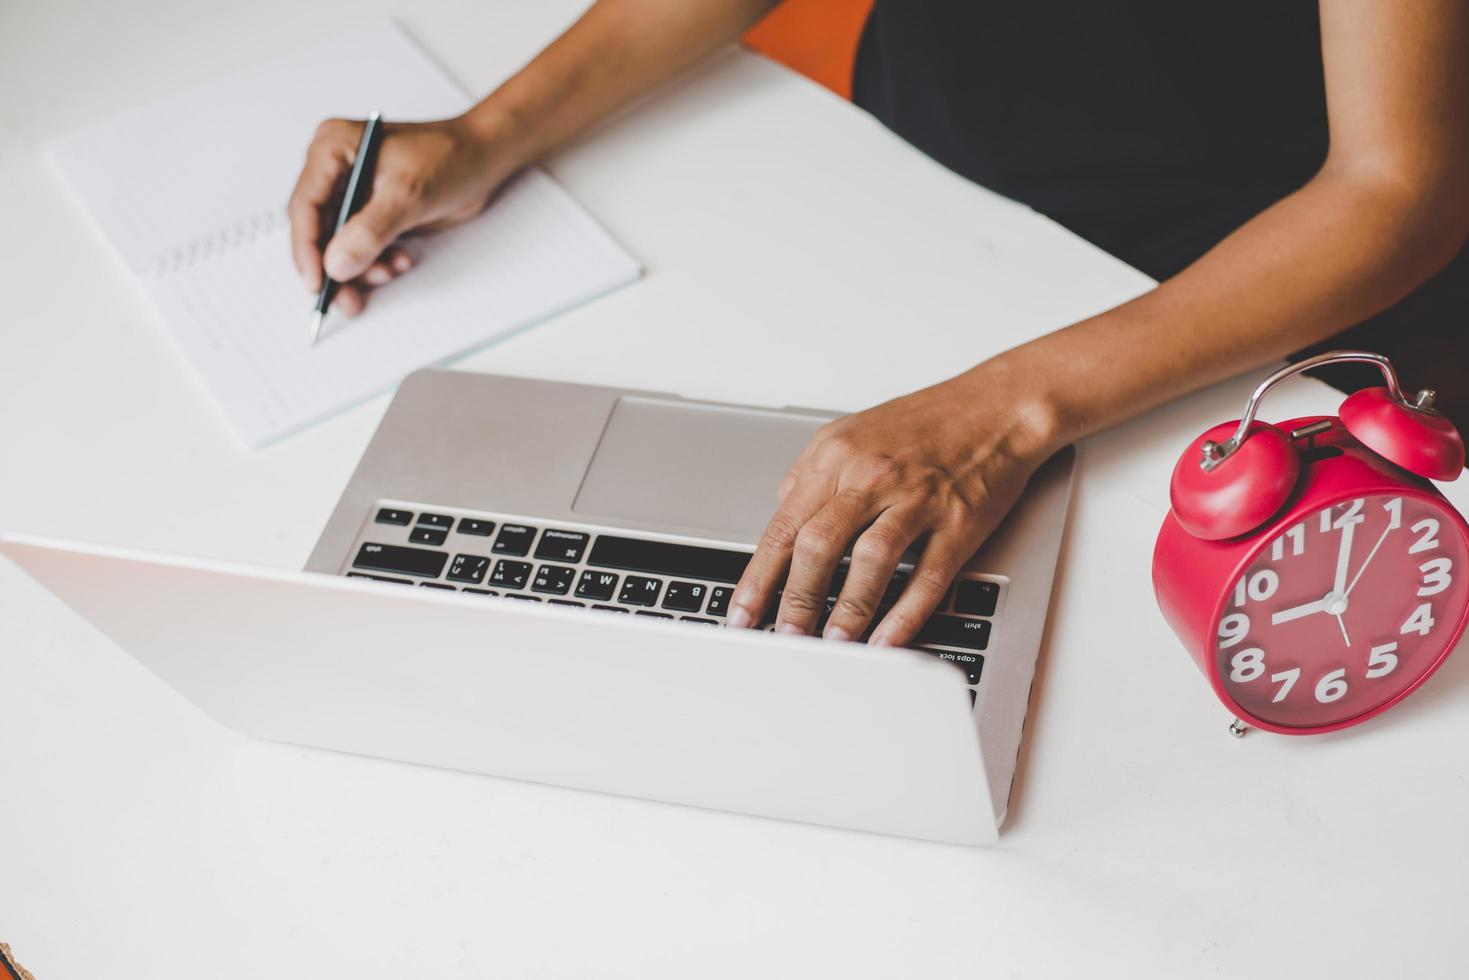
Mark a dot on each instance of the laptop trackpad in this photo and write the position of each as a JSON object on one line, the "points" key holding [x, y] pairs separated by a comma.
{"points": [[697, 467]]}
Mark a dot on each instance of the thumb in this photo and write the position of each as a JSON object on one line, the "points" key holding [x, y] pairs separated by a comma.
{"points": [[366, 234]]}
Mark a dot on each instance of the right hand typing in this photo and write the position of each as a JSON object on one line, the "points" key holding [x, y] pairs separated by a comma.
{"points": [[429, 176]]}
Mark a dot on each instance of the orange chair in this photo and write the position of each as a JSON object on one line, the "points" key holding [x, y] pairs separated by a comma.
{"points": [[817, 38]]}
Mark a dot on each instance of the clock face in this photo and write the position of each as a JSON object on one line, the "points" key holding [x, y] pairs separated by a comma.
{"points": [[1343, 611]]}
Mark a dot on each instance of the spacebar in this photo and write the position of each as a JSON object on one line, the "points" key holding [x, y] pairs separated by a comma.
{"points": [[662, 558]]}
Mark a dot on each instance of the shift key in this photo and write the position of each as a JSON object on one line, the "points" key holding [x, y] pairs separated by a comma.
{"points": [[952, 631], [405, 561]]}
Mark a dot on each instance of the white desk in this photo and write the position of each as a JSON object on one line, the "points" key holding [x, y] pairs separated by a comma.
{"points": [[797, 254]]}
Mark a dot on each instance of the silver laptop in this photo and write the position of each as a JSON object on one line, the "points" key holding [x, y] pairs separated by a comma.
{"points": [[526, 578]]}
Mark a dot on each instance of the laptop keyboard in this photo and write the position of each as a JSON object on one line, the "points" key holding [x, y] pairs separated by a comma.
{"points": [[615, 572]]}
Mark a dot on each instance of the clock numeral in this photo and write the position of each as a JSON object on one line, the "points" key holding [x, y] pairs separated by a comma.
{"points": [[1247, 665], [1352, 515], [1232, 629], [1435, 576], [1394, 508], [1428, 528], [1259, 587], [1287, 680], [1332, 687], [1420, 622], [1382, 660], [1297, 536]]}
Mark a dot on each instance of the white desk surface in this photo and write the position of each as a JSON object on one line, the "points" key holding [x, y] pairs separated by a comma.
{"points": [[797, 254]]}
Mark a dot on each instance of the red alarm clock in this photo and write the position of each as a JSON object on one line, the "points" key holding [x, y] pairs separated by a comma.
{"points": [[1313, 572]]}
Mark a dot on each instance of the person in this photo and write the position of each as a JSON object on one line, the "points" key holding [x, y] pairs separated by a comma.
{"points": [[1287, 170]]}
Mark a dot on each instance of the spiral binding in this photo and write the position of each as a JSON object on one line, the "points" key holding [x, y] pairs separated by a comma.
{"points": [[241, 232]]}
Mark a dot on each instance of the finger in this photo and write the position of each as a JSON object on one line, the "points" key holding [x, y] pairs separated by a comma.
{"points": [[378, 274], [315, 187], [367, 234], [819, 545], [787, 484], [399, 258], [772, 555], [349, 300], [389, 266], [305, 228], [875, 557], [945, 554]]}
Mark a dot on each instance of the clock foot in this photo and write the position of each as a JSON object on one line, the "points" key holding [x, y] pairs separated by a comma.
{"points": [[1238, 729]]}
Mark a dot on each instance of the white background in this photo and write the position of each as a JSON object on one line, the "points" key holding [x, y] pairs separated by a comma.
{"points": [[797, 254]]}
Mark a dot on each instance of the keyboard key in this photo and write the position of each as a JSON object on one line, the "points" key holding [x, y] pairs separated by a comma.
{"points": [[436, 585], [973, 663], [568, 602], [831, 603], [428, 535], [562, 545], [772, 610], [527, 598], [482, 529], [468, 568], [874, 623], [719, 597], [390, 516], [435, 520], [951, 631], [479, 591], [514, 539], [612, 609], [596, 585], [555, 579], [696, 619], [639, 591], [976, 598], [838, 579], [380, 578], [663, 558], [684, 596], [895, 588], [510, 574], [655, 615], [404, 561]]}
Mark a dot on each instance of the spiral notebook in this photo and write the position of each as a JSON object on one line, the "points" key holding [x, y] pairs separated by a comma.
{"points": [[191, 192]]}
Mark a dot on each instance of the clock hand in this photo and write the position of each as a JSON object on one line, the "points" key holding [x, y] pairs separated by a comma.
{"points": [[1286, 615], [1344, 555], [1343, 624], [1381, 538]]}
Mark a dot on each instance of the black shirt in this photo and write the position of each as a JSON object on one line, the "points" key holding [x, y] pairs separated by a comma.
{"points": [[1152, 128]]}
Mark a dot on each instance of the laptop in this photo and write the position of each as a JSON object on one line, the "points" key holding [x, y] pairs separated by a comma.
{"points": [[527, 579]]}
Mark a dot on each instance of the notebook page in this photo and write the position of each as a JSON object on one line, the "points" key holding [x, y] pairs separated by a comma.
{"points": [[191, 192], [166, 181], [241, 318]]}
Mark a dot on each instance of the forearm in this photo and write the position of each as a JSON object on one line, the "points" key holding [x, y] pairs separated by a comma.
{"points": [[1328, 256], [618, 51]]}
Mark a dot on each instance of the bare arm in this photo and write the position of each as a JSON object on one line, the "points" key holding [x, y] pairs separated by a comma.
{"points": [[430, 175], [1389, 208], [618, 51]]}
